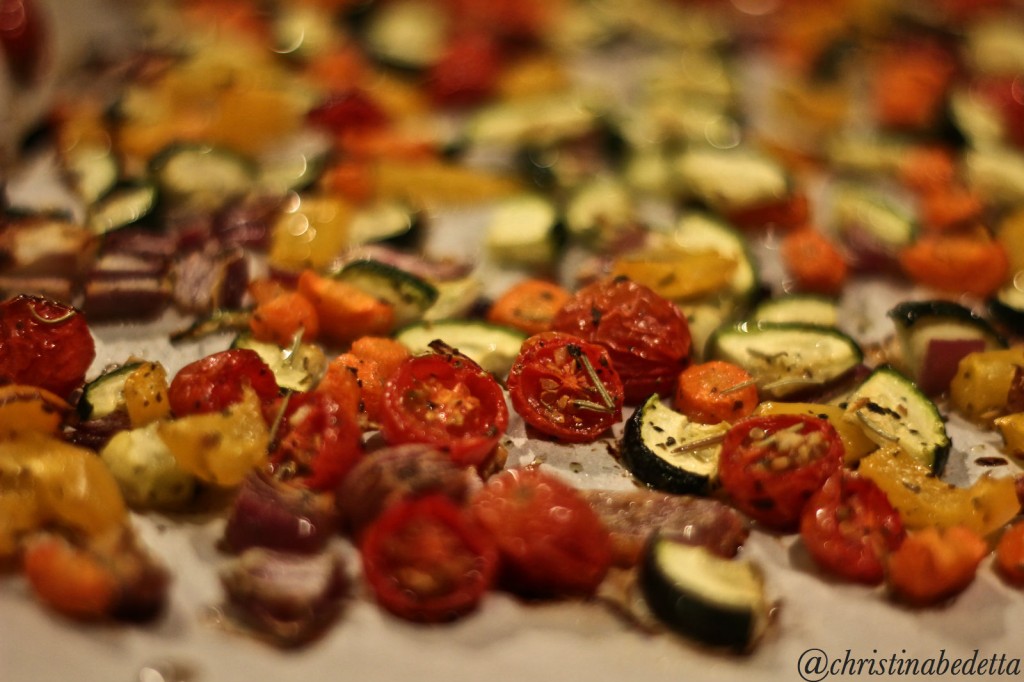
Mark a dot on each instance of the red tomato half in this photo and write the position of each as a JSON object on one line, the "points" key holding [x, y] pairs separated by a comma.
{"points": [[850, 528], [216, 381], [550, 540], [448, 401], [770, 466], [319, 441], [565, 387], [44, 343], [647, 337], [426, 561]]}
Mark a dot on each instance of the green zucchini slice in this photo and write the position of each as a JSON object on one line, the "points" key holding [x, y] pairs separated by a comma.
{"points": [[666, 451], [410, 295], [493, 347], [104, 395], [892, 411], [786, 359], [716, 601]]}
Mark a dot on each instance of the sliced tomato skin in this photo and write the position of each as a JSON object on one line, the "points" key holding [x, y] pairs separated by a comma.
{"points": [[319, 441], [775, 497], [44, 343], [448, 401], [549, 379], [550, 541], [849, 527], [647, 336], [213, 383], [434, 537]]}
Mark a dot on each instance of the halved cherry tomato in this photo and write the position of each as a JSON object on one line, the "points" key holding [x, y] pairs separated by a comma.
{"points": [[427, 561], [467, 71], [212, 383], [550, 540], [565, 387], [770, 466], [849, 527], [319, 441], [44, 343], [647, 337], [446, 400]]}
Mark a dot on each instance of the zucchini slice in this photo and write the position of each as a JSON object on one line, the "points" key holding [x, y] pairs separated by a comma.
{"points": [[786, 359], [389, 222], [124, 205], [493, 347], [798, 309], [146, 472], [697, 231], [202, 176], [727, 181], [666, 451], [871, 221], [298, 368], [935, 335], [524, 231], [93, 171], [891, 410], [716, 601], [104, 395], [1008, 307], [410, 295], [599, 212]]}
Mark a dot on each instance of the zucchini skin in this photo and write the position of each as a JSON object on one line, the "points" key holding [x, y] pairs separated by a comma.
{"points": [[651, 469], [715, 625]]}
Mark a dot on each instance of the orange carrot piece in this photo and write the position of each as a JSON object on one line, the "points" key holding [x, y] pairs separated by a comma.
{"points": [[351, 179], [814, 263], [1010, 554], [529, 305], [961, 263], [279, 319], [715, 391], [68, 579], [909, 85], [932, 565], [264, 289], [345, 312], [341, 382], [926, 168], [387, 353], [789, 213], [950, 207]]}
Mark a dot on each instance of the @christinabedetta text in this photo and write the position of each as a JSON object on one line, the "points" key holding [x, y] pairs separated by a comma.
{"points": [[816, 665]]}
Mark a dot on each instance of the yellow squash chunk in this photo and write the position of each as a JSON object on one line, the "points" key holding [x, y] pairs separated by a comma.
{"points": [[982, 382], [145, 394], [223, 447], [1011, 236], [924, 500], [434, 183], [855, 441], [1012, 429], [678, 274]]}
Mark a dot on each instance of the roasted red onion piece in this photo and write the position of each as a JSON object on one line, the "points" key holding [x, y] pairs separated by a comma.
{"points": [[288, 598], [434, 270], [632, 516], [395, 473], [271, 514], [125, 298], [207, 280]]}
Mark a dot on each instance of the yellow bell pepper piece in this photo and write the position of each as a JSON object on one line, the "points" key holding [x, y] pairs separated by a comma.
{"points": [[677, 274], [924, 500], [145, 394], [28, 408], [855, 441], [310, 233]]}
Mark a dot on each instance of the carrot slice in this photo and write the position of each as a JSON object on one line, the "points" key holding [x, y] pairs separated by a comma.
{"points": [[1010, 554], [529, 305], [814, 263], [932, 565], [371, 361], [950, 207], [715, 391], [971, 263], [387, 353], [279, 319], [345, 312]]}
